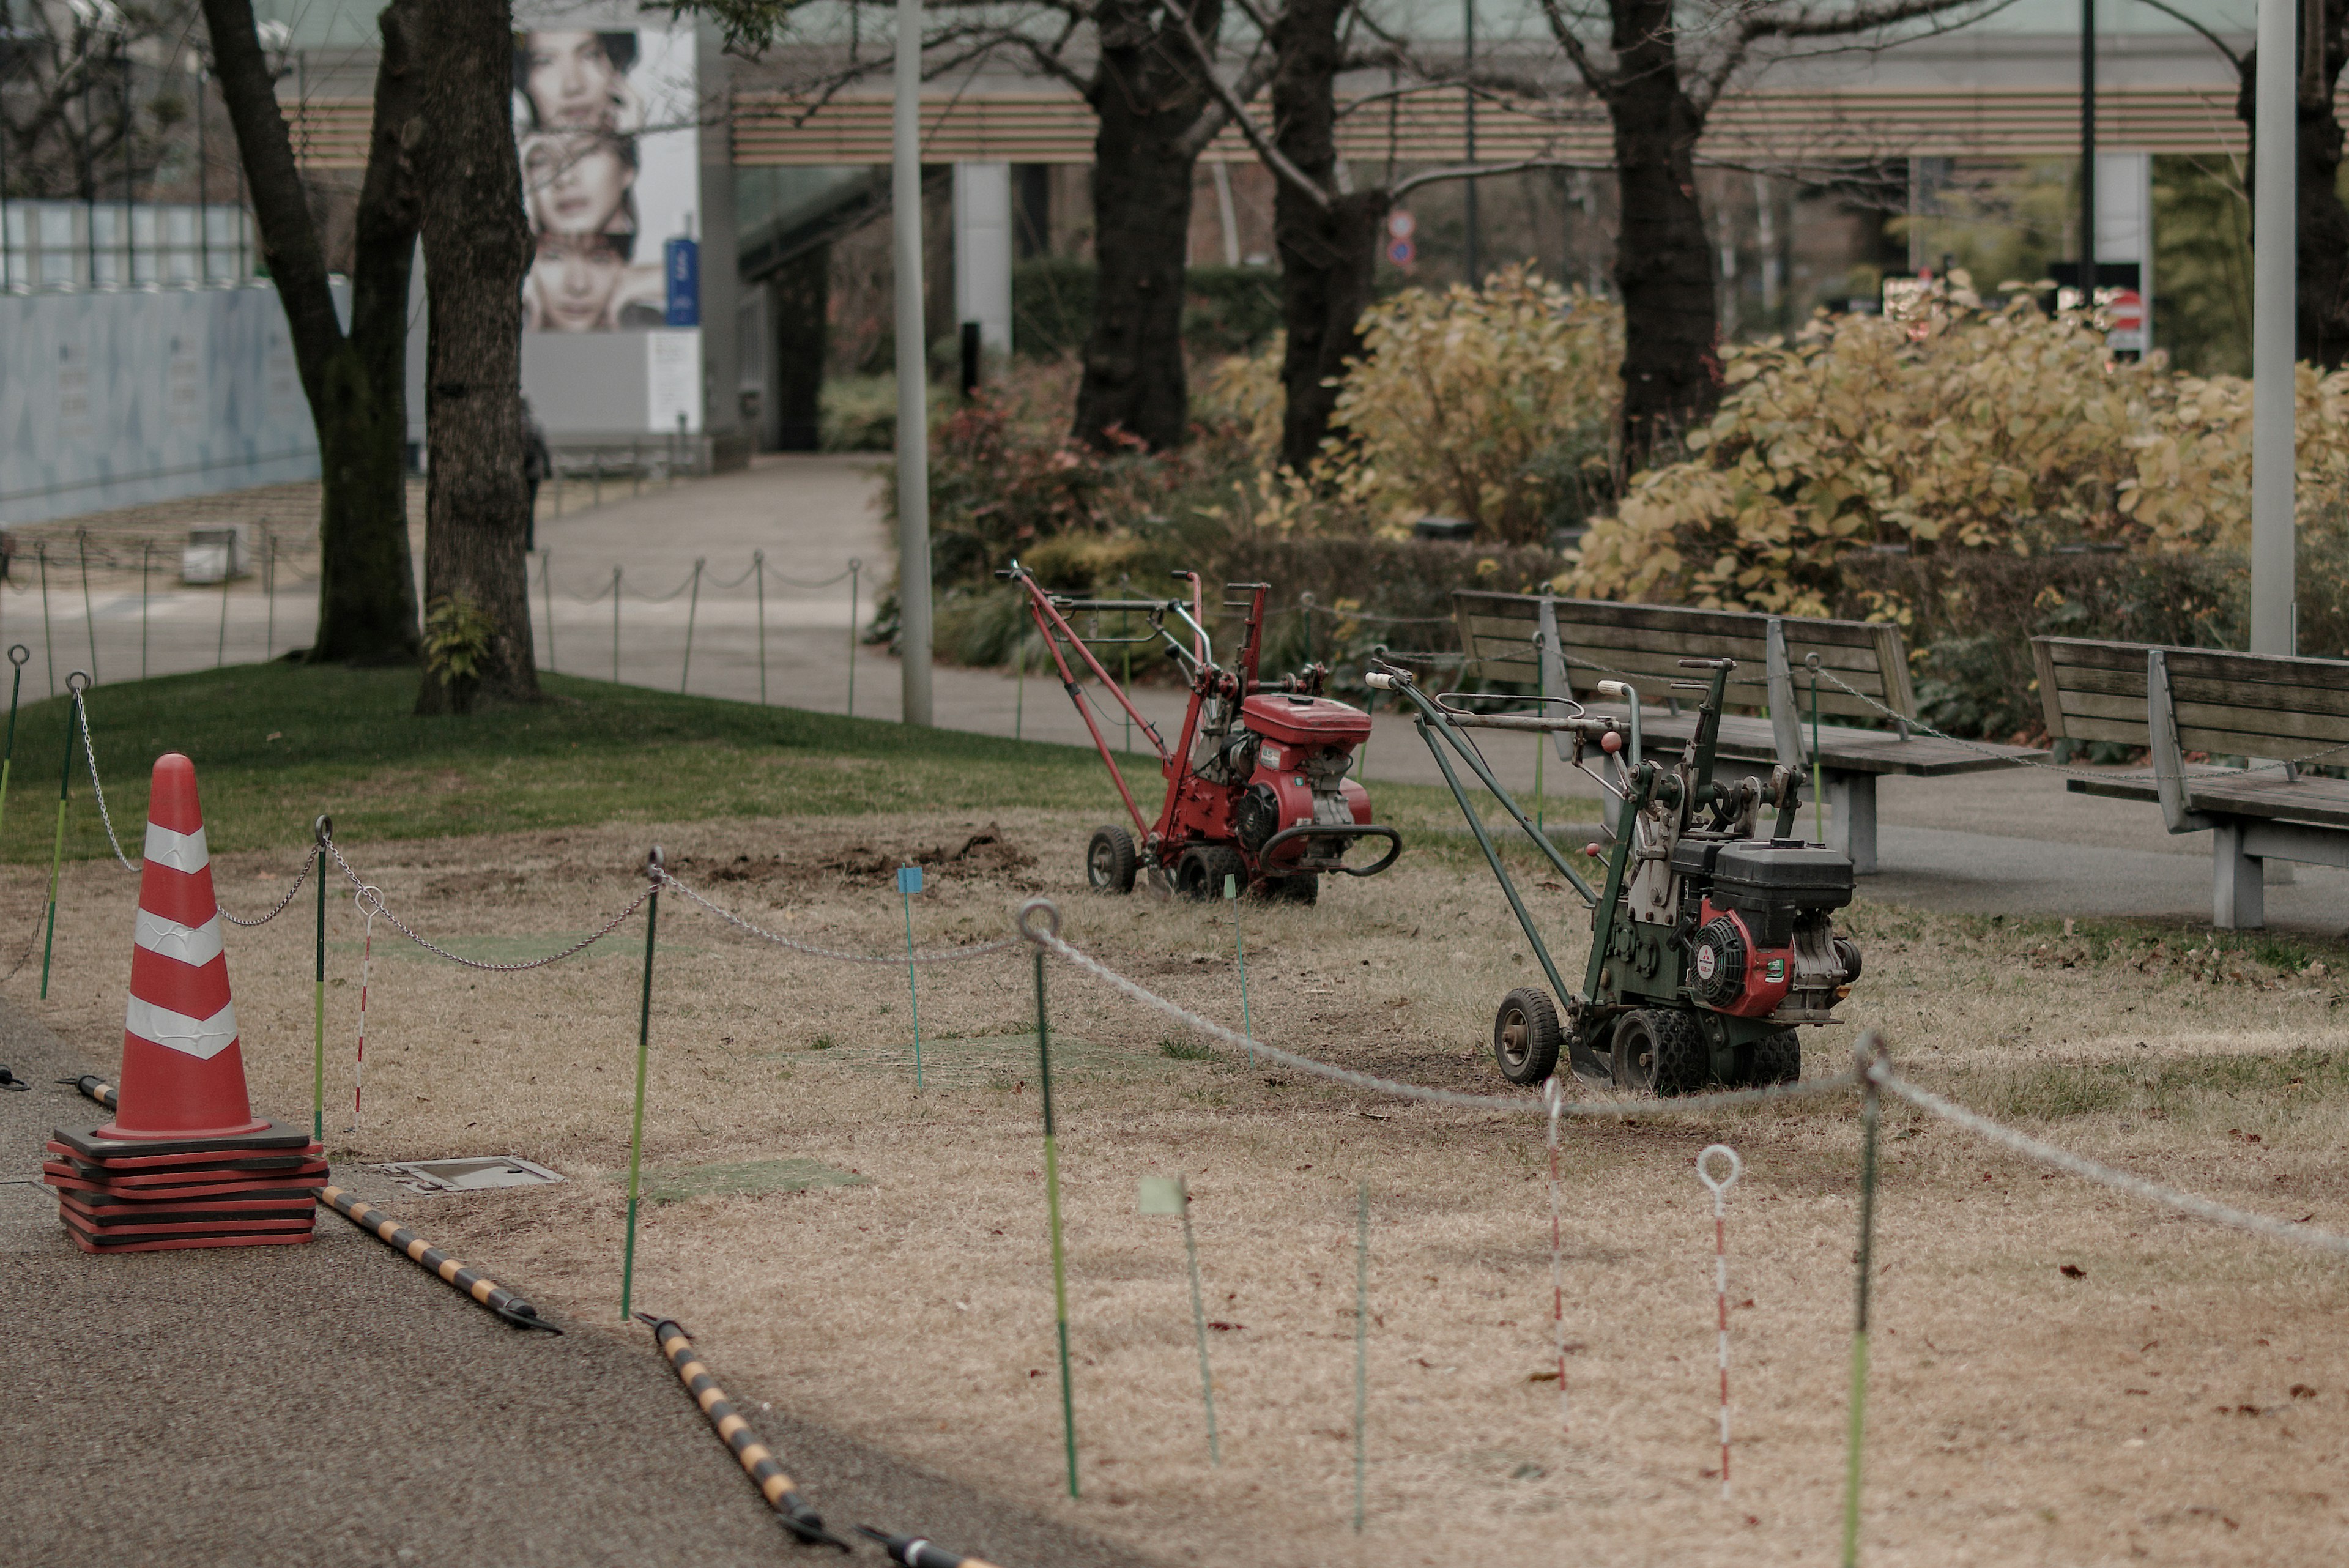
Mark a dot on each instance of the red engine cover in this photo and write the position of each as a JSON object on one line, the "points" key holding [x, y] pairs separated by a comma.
{"points": [[1305, 720], [1769, 972]]}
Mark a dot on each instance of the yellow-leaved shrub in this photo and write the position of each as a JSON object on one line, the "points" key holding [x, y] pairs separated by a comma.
{"points": [[1967, 428]]}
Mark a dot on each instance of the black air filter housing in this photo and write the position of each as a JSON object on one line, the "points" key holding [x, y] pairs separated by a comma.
{"points": [[1772, 883]]}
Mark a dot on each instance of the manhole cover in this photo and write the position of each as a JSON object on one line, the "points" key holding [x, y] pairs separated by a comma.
{"points": [[476, 1175]]}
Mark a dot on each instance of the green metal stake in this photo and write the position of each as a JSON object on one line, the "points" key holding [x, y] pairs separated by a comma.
{"points": [[616, 626], [1818, 790], [1172, 1195], [1019, 683], [48, 643], [325, 829], [18, 656], [1052, 1214], [759, 574], [1871, 1048], [909, 882], [74, 684], [1232, 897], [1362, 1336], [644, 1045], [856, 566], [1125, 630], [1541, 798], [146, 551], [88, 617], [546, 584]]}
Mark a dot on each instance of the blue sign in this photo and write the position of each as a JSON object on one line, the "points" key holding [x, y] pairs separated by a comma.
{"points": [[909, 878], [681, 262], [1403, 253]]}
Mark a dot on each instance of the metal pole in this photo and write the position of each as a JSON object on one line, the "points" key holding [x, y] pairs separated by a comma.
{"points": [[89, 618], [644, 1047], [1870, 1109], [48, 643], [692, 613], [1362, 1339], [325, 829], [1199, 1324], [269, 591], [58, 852], [203, 197], [546, 590], [1468, 128], [17, 656], [913, 400], [2088, 155], [759, 572], [146, 549], [2274, 307], [856, 566], [616, 626], [1052, 1215], [228, 560]]}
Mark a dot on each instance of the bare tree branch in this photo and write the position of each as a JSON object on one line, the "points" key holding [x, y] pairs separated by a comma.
{"points": [[1274, 159], [1601, 82], [1484, 170], [2210, 38]]}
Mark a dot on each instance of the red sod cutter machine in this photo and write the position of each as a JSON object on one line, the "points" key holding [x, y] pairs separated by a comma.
{"points": [[1257, 787]]}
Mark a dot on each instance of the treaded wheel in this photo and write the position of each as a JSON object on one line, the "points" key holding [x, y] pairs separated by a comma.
{"points": [[1526, 1037], [1776, 1058], [1200, 873], [1660, 1050], [1110, 860]]}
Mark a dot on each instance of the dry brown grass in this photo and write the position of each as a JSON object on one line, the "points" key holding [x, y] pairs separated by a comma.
{"points": [[2185, 1400]]}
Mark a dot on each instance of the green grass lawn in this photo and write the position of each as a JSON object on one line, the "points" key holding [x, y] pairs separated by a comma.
{"points": [[275, 745]]}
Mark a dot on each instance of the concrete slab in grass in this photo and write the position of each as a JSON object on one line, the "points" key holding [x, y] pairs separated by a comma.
{"points": [[743, 1176]]}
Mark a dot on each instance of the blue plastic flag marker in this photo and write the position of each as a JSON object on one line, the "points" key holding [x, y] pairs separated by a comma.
{"points": [[909, 882]]}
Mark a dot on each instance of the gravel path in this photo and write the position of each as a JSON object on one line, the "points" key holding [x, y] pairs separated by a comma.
{"points": [[330, 1404]]}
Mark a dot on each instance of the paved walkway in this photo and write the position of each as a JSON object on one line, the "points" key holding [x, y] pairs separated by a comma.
{"points": [[330, 1405], [2014, 841]]}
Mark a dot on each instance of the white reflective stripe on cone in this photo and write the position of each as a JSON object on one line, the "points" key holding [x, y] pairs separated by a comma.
{"points": [[203, 1038], [180, 851], [197, 945]]}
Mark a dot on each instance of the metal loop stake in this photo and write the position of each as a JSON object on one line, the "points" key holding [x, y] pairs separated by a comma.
{"points": [[1719, 1187], [1049, 911], [18, 654]]}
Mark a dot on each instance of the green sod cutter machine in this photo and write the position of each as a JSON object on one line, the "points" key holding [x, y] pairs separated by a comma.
{"points": [[1708, 945]]}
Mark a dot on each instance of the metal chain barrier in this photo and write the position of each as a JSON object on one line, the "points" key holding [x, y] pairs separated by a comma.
{"points": [[2153, 1192], [89, 751], [840, 577], [279, 907], [947, 955], [370, 898], [1049, 938]]}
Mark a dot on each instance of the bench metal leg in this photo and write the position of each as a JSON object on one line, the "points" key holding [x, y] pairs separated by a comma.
{"points": [[1851, 797], [2238, 892]]}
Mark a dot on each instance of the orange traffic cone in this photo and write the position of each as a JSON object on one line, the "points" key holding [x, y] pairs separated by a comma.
{"points": [[184, 1162], [183, 1072]]}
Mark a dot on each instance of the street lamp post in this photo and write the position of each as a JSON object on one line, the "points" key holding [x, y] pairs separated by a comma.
{"points": [[913, 403], [2274, 286]]}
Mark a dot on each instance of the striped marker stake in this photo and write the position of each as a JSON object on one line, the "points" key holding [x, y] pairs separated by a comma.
{"points": [[1239, 945], [1362, 1338], [324, 830], [643, 1046], [1171, 1195], [1719, 1185], [909, 882], [1871, 1054], [75, 683], [18, 655], [367, 960], [1052, 1215], [1556, 1098]]}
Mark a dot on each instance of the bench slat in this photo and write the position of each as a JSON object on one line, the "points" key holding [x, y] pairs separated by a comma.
{"points": [[2221, 694]]}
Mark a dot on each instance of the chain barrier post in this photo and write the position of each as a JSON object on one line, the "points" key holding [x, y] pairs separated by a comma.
{"points": [[616, 626], [1554, 1098], [1719, 1187], [323, 833], [1818, 790], [367, 960], [49, 642], [909, 882], [1870, 1052], [692, 611], [653, 869], [855, 567], [1052, 1190], [75, 682], [546, 587], [88, 617], [146, 549], [759, 574], [18, 655], [1239, 945], [1361, 1340]]}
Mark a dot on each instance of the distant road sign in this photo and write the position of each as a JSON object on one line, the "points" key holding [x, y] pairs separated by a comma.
{"points": [[1403, 253], [1401, 226]]}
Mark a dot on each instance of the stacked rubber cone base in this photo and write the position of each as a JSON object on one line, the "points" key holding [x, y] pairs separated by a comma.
{"points": [[150, 1195]]}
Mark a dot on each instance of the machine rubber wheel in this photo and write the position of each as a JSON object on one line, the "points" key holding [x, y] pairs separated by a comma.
{"points": [[1200, 873], [1526, 1037], [1305, 887], [1110, 860], [1660, 1051], [1777, 1059]]}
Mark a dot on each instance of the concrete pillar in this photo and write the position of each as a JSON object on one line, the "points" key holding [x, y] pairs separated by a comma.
{"points": [[982, 251]]}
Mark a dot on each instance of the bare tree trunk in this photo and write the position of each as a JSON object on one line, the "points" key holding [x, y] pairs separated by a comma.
{"points": [[1148, 97], [476, 250], [1664, 264], [356, 385], [2322, 221], [1328, 253]]}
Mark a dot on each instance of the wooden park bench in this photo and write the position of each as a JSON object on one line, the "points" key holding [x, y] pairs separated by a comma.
{"points": [[2172, 701], [1565, 646]]}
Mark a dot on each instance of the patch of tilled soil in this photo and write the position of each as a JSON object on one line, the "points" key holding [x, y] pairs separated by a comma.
{"points": [[984, 854]]}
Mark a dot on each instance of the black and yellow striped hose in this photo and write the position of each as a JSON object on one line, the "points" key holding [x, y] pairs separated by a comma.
{"points": [[914, 1551], [506, 1303], [782, 1494], [93, 1087]]}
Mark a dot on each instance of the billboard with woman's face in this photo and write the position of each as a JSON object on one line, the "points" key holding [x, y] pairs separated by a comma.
{"points": [[610, 162]]}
